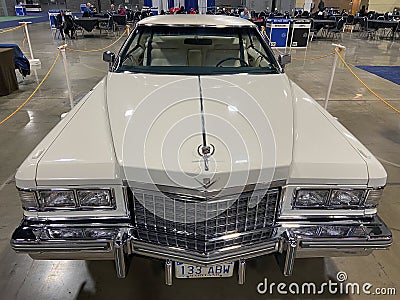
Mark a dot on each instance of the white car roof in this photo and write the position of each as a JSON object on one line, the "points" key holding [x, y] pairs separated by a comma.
{"points": [[196, 20]]}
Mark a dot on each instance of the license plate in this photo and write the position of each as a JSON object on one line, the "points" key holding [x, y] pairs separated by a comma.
{"points": [[192, 271]]}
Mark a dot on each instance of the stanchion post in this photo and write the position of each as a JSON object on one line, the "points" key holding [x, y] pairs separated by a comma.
{"points": [[64, 56], [328, 93], [32, 61]]}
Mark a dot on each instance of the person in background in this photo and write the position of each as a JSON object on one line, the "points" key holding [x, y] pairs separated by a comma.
{"points": [[245, 14], [112, 10], [90, 11], [121, 10], [362, 11], [69, 25], [59, 23], [192, 11], [321, 6], [344, 12], [181, 10]]}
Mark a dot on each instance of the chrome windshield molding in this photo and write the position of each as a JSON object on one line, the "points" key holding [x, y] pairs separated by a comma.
{"points": [[196, 25]]}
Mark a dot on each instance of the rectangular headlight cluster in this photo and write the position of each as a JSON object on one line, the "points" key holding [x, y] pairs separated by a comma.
{"points": [[336, 198], [66, 199]]}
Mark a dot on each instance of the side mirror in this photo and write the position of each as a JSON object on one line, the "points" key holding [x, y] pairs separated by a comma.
{"points": [[109, 57], [284, 59]]}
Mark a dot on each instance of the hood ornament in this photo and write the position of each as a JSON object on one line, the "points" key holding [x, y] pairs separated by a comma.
{"points": [[206, 151]]}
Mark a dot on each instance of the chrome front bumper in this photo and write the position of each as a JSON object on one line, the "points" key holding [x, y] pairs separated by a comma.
{"points": [[115, 242]]}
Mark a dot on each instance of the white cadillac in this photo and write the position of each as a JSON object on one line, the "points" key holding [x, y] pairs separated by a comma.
{"points": [[198, 150]]}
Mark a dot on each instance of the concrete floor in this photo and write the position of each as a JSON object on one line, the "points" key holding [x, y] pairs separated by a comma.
{"points": [[368, 119]]}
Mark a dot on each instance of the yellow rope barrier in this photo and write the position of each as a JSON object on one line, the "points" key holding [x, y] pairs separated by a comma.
{"points": [[365, 85], [23, 44], [100, 49], [33, 93], [12, 29], [315, 58]]}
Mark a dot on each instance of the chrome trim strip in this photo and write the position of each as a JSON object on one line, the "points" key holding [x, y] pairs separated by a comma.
{"points": [[353, 243], [223, 255], [241, 271], [201, 193], [61, 246], [90, 219], [119, 255], [168, 272]]}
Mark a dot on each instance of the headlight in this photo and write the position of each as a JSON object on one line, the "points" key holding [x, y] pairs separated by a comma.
{"points": [[346, 198], [28, 199], [336, 198], [71, 199], [311, 198], [57, 199], [94, 198]]}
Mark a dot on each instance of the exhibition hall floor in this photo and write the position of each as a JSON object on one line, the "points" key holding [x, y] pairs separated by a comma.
{"points": [[373, 123]]}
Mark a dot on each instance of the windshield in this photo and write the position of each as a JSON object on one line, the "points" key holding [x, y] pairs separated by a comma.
{"points": [[196, 50]]}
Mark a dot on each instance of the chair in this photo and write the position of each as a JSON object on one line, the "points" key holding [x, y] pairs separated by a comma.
{"points": [[136, 17], [83, 8], [57, 27], [305, 14], [371, 31], [349, 25], [337, 30], [397, 32], [70, 25], [313, 30], [119, 21], [107, 26]]}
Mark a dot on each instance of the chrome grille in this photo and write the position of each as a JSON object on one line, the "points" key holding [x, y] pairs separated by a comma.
{"points": [[204, 225]]}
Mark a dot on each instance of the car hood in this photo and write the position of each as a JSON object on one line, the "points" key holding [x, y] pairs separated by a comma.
{"points": [[148, 130], [161, 122]]}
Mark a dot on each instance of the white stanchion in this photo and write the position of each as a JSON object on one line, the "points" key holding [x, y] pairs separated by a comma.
{"points": [[32, 60], [328, 93], [64, 56]]}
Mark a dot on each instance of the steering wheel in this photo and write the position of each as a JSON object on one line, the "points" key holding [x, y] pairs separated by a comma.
{"points": [[219, 64], [135, 61]]}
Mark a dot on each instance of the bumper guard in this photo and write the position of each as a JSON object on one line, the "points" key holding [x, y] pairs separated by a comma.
{"points": [[291, 241]]}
